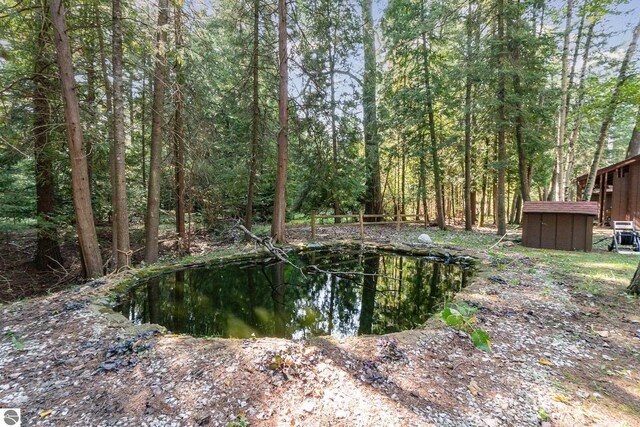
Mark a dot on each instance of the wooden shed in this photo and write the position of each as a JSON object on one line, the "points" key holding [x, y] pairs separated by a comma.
{"points": [[617, 190], [566, 226]]}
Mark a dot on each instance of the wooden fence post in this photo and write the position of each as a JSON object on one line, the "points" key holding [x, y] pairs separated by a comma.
{"points": [[361, 226], [313, 225]]}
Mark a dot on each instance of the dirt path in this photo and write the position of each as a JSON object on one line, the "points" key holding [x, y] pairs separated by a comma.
{"points": [[561, 355]]}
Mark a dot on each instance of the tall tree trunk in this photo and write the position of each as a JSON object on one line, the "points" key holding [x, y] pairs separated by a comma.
{"points": [[571, 152], [48, 255], [437, 173], [334, 131], [483, 198], [143, 121], [519, 116], [255, 116], [422, 193], [634, 142], [609, 112], [152, 221], [121, 212], [634, 286], [178, 135], [558, 185], [280, 201], [566, 185], [468, 219], [91, 104], [502, 118], [85, 227], [109, 113], [403, 172], [373, 201]]}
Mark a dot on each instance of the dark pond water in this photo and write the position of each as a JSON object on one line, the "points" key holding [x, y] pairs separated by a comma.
{"points": [[267, 298]]}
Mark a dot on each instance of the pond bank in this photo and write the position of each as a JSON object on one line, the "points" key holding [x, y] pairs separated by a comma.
{"points": [[565, 339]]}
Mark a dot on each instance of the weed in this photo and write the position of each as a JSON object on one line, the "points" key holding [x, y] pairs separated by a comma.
{"points": [[543, 415], [461, 316], [17, 344], [240, 422], [589, 286]]}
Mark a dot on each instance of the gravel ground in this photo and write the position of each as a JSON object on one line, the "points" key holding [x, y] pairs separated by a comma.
{"points": [[560, 357]]}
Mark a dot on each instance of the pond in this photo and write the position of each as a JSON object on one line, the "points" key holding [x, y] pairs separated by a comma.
{"points": [[370, 292]]}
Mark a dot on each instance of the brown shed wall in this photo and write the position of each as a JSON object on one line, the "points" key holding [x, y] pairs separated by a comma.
{"points": [[562, 231], [634, 194]]}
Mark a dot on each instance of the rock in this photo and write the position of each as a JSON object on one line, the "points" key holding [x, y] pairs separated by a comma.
{"points": [[308, 405], [424, 238], [473, 387], [341, 414], [603, 334], [492, 422]]}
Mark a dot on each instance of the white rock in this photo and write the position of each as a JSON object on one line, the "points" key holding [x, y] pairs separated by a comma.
{"points": [[308, 405], [424, 238], [341, 414]]}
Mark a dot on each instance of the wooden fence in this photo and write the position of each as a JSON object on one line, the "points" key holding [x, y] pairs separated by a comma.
{"points": [[398, 219]]}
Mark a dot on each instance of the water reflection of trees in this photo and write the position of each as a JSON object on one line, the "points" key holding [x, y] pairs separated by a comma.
{"points": [[394, 293]]}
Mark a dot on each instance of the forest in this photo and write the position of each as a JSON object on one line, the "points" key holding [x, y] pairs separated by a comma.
{"points": [[124, 121]]}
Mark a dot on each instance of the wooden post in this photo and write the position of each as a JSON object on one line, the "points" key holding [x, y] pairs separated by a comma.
{"points": [[361, 226], [313, 225]]}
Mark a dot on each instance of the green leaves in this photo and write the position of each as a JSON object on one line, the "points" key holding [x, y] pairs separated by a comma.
{"points": [[460, 316], [481, 340], [452, 317], [17, 344]]}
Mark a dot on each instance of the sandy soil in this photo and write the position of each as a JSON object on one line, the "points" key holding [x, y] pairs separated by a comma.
{"points": [[560, 357]]}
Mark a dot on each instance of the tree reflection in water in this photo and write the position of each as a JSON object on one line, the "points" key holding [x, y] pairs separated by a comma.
{"points": [[265, 298]]}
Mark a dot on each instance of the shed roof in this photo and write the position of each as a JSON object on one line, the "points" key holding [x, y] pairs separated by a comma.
{"points": [[583, 208], [609, 168]]}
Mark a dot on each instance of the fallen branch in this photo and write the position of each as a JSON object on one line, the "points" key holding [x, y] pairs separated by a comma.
{"points": [[498, 242], [267, 242]]}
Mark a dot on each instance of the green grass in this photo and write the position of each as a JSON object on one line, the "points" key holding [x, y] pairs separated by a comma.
{"points": [[591, 269]]}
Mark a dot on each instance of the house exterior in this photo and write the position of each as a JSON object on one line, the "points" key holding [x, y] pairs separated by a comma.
{"points": [[617, 190]]}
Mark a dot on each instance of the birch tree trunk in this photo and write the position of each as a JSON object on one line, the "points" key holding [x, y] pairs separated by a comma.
{"points": [[558, 185], [609, 112], [85, 227], [575, 132], [634, 142]]}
